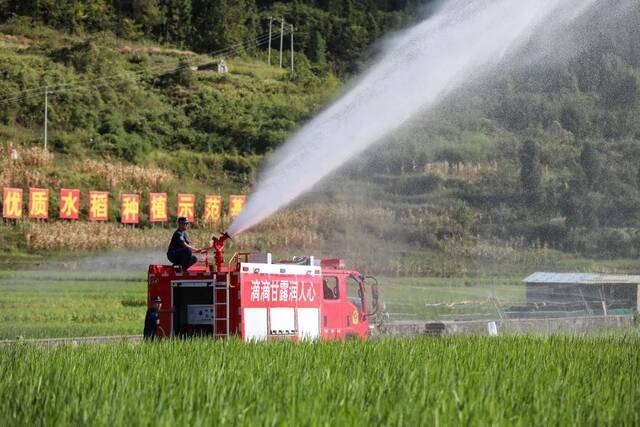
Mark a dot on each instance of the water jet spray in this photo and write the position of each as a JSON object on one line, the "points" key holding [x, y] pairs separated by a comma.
{"points": [[462, 42]]}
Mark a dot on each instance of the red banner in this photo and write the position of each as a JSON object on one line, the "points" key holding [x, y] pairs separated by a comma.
{"points": [[12, 203], [130, 208], [212, 208], [236, 203], [158, 207], [98, 206], [69, 203], [186, 206], [38, 203]]}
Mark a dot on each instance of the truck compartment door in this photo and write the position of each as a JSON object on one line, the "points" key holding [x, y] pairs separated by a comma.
{"points": [[255, 324], [283, 321], [308, 323]]}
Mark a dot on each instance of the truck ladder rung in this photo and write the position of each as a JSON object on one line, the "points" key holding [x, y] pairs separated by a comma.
{"points": [[221, 298]]}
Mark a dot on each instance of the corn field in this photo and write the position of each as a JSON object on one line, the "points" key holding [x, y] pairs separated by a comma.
{"points": [[461, 170], [25, 166], [87, 236], [137, 178], [510, 381]]}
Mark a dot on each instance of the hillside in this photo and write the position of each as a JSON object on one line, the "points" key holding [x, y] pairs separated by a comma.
{"points": [[529, 169], [123, 82], [113, 103], [542, 158]]}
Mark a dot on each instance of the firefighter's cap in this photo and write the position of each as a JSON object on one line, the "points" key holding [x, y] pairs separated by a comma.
{"points": [[183, 220], [157, 300]]}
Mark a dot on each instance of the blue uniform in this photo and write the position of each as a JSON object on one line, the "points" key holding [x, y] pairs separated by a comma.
{"points": [[151, 321], [178, 240], [178, 252]]}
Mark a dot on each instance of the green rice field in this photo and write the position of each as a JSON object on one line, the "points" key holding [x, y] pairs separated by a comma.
{"points": [[510, 380], [39, 304], [58, 303], [478, 381]]}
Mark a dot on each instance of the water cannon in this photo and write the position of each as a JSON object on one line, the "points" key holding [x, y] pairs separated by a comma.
{"points": [[218, 247]]}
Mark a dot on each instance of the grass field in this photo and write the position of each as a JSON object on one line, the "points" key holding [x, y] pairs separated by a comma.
{"points": [[511, 381], [57, 303], [38, 304], [63, 295], [411, 298]]}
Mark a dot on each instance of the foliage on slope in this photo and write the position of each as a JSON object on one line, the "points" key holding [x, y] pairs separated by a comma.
{"points": [[346, 27], [113, 99], [541, 156]]}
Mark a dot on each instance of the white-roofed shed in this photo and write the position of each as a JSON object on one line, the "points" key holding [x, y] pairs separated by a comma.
{"points": [[598, 293]]}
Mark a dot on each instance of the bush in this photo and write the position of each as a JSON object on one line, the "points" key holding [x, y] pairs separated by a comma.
{"points": [[619, 86], [605, 242], [415, 184], [552, 233], [473, 148]]}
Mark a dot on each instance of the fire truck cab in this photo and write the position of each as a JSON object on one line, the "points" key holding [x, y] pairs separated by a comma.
{"points": [[255, 299]]}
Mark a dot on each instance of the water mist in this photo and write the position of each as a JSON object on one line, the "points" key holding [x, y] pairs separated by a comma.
{"points": [[463, 41]]}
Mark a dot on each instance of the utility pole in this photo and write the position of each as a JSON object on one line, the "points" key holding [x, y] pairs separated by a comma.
{"points": [[46, 113], [281, 39], [270, 22], [292, 48]]}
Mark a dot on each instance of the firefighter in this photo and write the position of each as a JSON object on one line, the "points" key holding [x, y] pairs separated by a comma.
{"points": [[180, 251], [152, 319]]}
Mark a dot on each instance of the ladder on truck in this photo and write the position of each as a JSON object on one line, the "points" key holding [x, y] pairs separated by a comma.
{"points": [[221, 309], [222, 314]]}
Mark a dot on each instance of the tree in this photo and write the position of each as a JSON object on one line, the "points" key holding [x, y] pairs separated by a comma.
{"points": [[95, 14], [146, 13], [218, 24], [590, 163], [20, 7], [372, 27], [530, 175], [619, 85], [351, 41], [177, 26], [184, 75], [347, 9], [579, 206], [574, 118], [318, 50]]}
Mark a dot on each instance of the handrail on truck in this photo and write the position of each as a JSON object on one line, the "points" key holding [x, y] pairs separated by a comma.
{"points": [[236, 257]]}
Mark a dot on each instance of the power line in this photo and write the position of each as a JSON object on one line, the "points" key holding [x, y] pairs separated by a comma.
{"points": [[255, 43], [283, 32], [36, 91], [89, 86], [235, 47], [239, 46], [95, 86]]}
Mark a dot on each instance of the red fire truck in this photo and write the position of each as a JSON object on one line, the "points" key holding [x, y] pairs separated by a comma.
{"points": [[254, 298]]}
